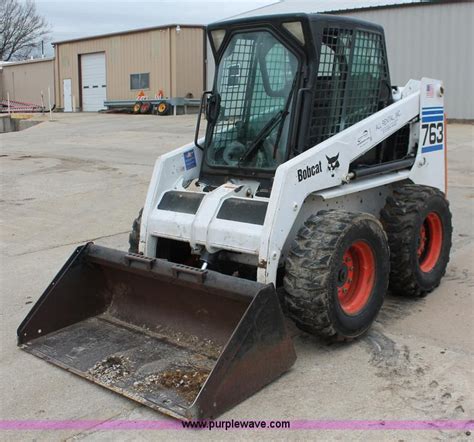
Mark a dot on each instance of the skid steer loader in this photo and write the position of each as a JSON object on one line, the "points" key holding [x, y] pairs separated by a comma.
{"points": [[316, 186]]}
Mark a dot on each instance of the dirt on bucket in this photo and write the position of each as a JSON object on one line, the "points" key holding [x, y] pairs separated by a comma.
{"points": [[186, 381], [110, 370]]}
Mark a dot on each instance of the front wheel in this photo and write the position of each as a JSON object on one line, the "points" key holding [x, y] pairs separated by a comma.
{"points": [[337, 274]]}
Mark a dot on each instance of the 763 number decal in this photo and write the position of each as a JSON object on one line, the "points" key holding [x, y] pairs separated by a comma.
{"points": [[433, 133], [432, 129]]}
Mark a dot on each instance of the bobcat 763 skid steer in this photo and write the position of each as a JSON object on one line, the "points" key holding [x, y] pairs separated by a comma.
{"points": [[317, 185]]}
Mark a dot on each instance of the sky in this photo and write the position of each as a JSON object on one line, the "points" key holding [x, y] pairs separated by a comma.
{"points": [[73, 18]]}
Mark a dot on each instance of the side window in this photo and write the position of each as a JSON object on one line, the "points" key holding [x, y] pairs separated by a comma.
{"points": [[348, 86], [328, 95], [327, 67], [366, 74]]}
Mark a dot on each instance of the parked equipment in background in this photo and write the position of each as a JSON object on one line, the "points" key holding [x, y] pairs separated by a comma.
{"points": [[317, 185], [136, 108], [11, 106], [162, 108], [145, 108], [170, 105]]}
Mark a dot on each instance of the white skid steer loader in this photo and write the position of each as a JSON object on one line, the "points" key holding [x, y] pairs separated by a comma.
{"points": [[317, 186]]}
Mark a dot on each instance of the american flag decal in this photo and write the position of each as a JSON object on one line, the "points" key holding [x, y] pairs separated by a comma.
{"points": [[429, 91]]}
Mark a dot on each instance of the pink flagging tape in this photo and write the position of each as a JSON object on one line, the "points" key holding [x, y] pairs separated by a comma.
{"points": [[383, 424], [88, 424], [357, 425]]}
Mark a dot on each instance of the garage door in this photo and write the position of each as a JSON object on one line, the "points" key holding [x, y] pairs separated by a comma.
{"points": [[94, 86]]}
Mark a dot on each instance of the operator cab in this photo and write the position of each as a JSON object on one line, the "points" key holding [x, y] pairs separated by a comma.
{"points": [[285, 83]]}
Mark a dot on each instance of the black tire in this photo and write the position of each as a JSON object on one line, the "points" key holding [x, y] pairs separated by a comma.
{"points": [[145, 108], [136, 107], [163, 108], [315, 274], [134, 237], [416, 267]]}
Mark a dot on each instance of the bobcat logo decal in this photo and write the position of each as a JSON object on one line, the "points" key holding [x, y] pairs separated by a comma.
{"points": [[333, 163]]}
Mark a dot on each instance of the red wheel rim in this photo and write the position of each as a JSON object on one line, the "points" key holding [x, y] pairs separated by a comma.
{"points": [[356, 277], [430, 242]]}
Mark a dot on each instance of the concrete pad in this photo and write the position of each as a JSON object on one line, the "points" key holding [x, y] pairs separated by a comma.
{"points": [[84, 177]]}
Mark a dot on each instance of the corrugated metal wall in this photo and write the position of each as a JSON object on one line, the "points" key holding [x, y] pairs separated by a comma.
{"points": [[188, 70], [431, 41], [151, 51], [25, 81]]}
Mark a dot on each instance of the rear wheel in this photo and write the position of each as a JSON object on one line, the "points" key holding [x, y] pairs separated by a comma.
{"points": [[417, 220], [337, 274], [134, 237]]}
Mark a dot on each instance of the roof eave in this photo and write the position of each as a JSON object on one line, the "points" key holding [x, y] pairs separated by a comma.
{"points": [[131, 31]]}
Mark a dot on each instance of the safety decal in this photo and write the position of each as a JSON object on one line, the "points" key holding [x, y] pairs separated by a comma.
{"points": [[189, 159], [432, 129]]}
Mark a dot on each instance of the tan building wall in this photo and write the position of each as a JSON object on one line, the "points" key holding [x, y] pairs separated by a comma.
{"points": [[174, 60], [25, 80], [189, 71]]}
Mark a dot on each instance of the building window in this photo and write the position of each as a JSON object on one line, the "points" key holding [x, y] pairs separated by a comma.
{"points": [[139, 81]]}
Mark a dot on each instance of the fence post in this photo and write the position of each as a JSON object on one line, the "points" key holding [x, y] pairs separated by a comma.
{"points": [[42, 102], [49, 103]]}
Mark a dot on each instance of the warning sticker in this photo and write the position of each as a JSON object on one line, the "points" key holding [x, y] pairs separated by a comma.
{"points": [[189, 159]]}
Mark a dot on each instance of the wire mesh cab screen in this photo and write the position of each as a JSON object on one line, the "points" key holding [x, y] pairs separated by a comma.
{"points": [[255, 83], [352, 70]]}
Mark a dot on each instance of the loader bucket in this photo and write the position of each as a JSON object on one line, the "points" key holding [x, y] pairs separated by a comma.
{"points": [[186, 342]]}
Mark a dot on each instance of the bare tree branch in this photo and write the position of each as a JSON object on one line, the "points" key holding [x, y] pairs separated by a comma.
{"points": [[21, 29]]}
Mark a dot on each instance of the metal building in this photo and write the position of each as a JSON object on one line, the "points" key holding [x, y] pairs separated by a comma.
{"points": [[424, 38], [25, 81], [167, 59]]}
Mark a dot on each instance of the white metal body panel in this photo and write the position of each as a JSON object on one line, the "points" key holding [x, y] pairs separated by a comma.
{"points": [[289, 193], [204, 228], [315, 180], [93, 81], [170, 172], [67, 97], [431, 156]]}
